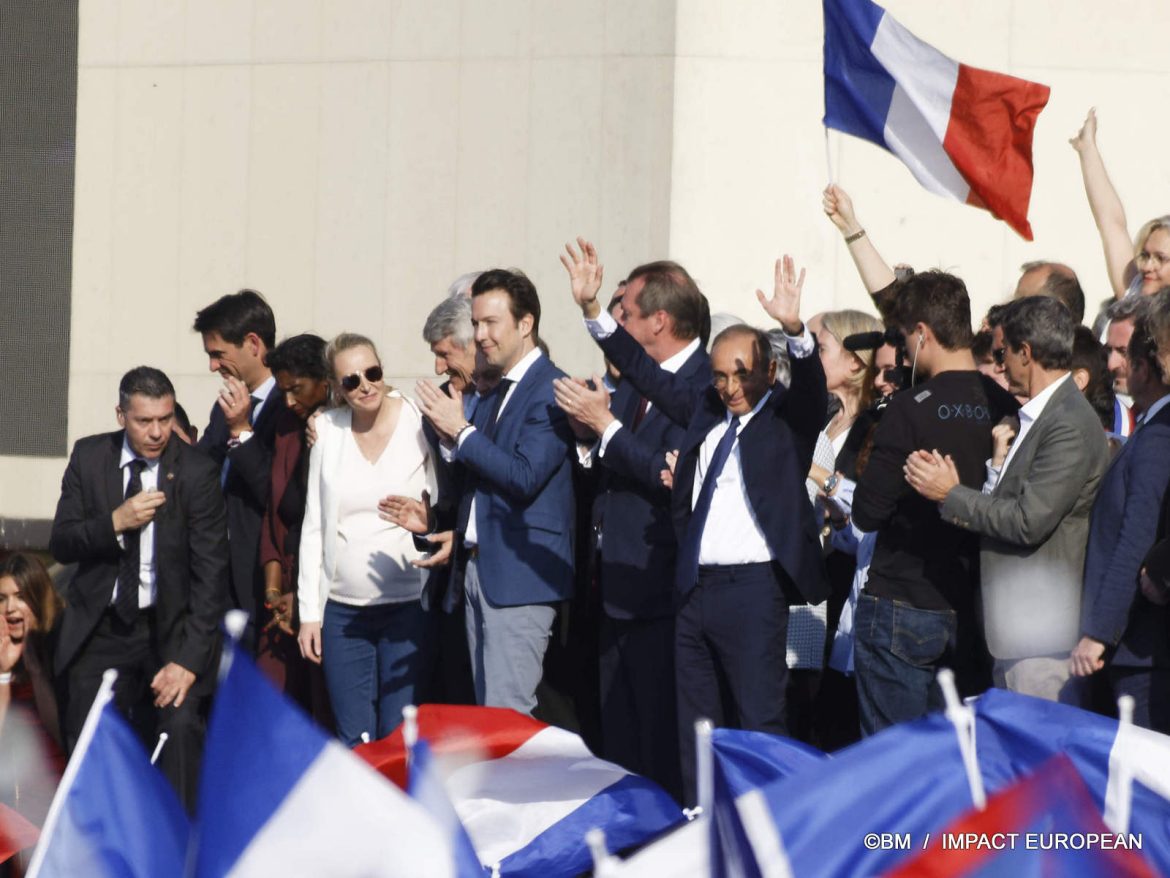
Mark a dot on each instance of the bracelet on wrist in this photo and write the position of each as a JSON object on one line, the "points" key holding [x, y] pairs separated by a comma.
{"points": [[856, 236], [6, 678], [463, 430]]}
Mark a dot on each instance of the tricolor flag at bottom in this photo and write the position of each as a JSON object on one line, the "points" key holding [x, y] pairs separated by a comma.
{"points": [[1046, 824], [279, 798], [527, 792], [114, 814], [963, 132]]}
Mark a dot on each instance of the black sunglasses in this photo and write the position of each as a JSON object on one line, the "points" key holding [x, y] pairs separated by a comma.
{"points": [[997, 355], [350, 383]]}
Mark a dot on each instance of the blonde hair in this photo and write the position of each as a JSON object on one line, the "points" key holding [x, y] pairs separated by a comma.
{"points": [[1147, 229], [343, 342], [841, 325]]}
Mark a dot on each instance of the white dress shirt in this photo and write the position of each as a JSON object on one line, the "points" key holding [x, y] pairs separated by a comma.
{"points": [[146, 589], [515, 375], [1029, 412], [732, 535]]}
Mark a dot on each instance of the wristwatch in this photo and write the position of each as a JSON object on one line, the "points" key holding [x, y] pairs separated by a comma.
{"points": [[831, 483]]}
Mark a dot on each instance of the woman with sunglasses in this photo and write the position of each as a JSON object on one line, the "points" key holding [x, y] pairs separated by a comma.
{"points": [[1140, 266], [359, 595]]}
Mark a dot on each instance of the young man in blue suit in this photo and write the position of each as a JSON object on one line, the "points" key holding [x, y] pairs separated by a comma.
{"points": [[747, 539], [1121, 631], [514, 529], [662, 310]]}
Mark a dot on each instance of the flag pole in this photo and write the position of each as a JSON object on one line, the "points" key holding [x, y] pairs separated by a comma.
{"points": [[409, 735], [1119, 795], [105, 695], [704, 768], [829, 158], [963, 719], [604, 866], [162, 740]]}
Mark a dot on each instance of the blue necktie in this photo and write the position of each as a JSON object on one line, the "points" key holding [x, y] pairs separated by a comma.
{"points": [[687, 571]]}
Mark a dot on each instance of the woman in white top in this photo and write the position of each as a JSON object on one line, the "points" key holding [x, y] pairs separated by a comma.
{"points": [[358, 593]]}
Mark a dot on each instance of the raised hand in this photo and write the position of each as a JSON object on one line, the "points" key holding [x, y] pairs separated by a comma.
{"points": [[236, 404], [839, 208], [1087, 137], [585, 276], [784, 305]]}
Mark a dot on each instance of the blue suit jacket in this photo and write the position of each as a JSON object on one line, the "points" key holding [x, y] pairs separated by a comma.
{"points": [[638, 544], [776, 450], [522, 484], [1122, 527]]}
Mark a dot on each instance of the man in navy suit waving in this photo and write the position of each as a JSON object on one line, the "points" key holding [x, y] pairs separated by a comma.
{"points": [[747, 538], [514, 529], [662, 309]]}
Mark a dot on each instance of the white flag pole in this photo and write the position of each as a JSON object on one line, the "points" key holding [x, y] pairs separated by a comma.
{"points": [[704, 767], [409, 734], [604, 866], [829, 157], [1119, 790], [963, 719], [104, 695], [162, 740]]}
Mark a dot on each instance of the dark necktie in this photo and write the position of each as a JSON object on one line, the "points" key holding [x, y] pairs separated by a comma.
{"points": [[501, 392], [687, 571], [643, 405], [126, 600], [252, 409]]}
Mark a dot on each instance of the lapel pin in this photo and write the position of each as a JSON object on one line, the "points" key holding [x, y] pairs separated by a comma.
{"points": [[170, 477]]}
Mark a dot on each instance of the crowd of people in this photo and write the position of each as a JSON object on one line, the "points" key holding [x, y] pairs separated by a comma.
{"points": [[625, 553]]}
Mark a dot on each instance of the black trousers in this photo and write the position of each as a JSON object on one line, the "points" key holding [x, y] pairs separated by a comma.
{"points": [[639, 713], [731, 638], [132, 650]]}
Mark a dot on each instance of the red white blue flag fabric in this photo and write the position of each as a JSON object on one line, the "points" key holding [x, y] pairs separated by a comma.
{"points": [[1045, 824], [527, 792], [963, 132]]}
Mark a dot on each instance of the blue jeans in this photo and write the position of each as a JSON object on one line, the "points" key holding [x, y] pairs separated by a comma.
{"points": [[374, 659], [898, 650]]}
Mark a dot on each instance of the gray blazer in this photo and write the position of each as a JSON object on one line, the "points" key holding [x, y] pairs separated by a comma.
{"points": [[1035, 528]]}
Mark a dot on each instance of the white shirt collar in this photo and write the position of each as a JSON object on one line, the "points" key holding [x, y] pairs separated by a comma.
{"points": [[516, 373], [129, 455], [673, 364], [1032, 409]]}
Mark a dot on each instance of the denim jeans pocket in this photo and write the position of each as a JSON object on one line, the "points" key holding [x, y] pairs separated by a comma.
{"points": [[919, 637]]}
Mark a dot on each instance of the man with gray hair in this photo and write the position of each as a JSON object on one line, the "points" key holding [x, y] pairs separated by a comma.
{"points": [[1033, 512]]}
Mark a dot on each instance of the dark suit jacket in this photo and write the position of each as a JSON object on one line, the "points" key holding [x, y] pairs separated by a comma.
{"points": [[638, 545], [190, 550], [776, 449], [1122, 527], [522, 482], [246, 495]]}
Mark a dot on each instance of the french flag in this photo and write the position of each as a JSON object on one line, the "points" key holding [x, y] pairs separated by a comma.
{"points": [[527, 792], [277, 797], [963, 132]]}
